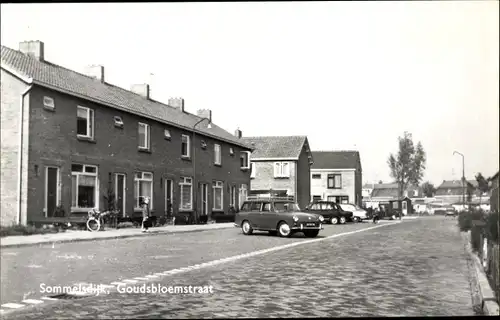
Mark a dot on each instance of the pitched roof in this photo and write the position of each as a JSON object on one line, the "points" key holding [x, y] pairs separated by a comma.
{"points": [[391, 190], [58, 78], [454, 187], [274, 147], [451, 184], [335, 159]]}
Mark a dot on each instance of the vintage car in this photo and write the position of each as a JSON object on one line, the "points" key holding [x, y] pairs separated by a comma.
{"points": [[331, 211], [359, 214], [282, 217]]}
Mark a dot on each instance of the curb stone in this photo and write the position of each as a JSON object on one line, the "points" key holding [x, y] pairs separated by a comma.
{"points": [[135, 235], [485, 301]]}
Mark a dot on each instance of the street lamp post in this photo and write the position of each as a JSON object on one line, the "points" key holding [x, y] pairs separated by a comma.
{"points": [[195, 189], [463, 177]]}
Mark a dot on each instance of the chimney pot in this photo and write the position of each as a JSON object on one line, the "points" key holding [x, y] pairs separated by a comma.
{"points": [[177, 103], [205, 113], [33, 48], [95, 71], [238, 133], [142, 89]]}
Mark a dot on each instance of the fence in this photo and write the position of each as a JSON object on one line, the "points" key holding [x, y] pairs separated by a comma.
{"points": [[487, 248]]}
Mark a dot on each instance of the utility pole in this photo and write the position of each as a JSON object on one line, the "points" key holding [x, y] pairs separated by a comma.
{"points": [[463, 177]]}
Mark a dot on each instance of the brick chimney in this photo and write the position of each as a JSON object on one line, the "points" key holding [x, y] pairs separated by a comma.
{"points": [[238, 133], [33, 48], [95, 71], [142, 89], [205, 113], [177, 103]]}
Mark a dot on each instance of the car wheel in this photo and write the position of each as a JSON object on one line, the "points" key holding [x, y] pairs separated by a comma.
{"points": [[334, 220], [273, 233], [342, 220], [284, 230], [246, 228], [311, 233], [356, 219]]}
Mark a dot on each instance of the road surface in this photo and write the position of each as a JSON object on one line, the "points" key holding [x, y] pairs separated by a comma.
{"points": [[410, 268]]}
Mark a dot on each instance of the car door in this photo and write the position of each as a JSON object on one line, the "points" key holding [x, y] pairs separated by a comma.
{"points": [[255, 214], [268, 216], [315, 208]]}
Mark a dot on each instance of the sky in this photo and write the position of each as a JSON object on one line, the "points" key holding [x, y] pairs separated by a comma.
{"points": [[349, 75]]}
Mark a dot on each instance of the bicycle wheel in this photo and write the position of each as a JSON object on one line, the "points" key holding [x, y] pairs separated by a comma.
{"points": [[93, 224]]}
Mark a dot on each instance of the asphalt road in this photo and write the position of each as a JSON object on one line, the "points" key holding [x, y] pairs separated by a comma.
{"points": [[412, 268]]}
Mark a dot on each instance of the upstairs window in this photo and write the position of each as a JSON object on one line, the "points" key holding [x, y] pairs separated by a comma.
{"points": [[253, 170], [166, 134], [48, 103], [334, 181], [185, 146], [144, 139], [316, 176], [85, 122], [217, 154], [231, 151], [118, 121], [282, 169], [245, 160]]}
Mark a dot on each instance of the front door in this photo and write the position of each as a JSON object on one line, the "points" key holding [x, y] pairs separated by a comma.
{"points": [[204, 199], [169, 197], [51, 182], [120, 192]]}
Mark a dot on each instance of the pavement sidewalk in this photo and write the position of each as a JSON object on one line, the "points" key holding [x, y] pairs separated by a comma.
{"points": [[73, 236]]}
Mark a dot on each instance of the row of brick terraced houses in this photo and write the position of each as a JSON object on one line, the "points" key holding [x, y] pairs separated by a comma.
{"points": [[71, 140]]}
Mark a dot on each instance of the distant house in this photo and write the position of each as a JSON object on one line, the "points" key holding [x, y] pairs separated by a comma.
{"points": [[452, 191], [389, 191], [280, 166], [336, 176], [494, 193]]}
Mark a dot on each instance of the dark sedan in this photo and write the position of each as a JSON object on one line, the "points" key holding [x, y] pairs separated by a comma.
{"points": [[331, 211]]}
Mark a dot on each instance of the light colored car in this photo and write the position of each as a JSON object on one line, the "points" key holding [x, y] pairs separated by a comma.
{"points": [[358, 214]]}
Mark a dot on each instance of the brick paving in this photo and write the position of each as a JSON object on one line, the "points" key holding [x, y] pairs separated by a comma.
{"points": [[415, 268]]}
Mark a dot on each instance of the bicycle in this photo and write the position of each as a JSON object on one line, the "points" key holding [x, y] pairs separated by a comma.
{"points": [[95, 219]]}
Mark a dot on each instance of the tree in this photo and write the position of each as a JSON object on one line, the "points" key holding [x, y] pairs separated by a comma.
{"points": [[407, 167], [483, 185], [428, 189]]}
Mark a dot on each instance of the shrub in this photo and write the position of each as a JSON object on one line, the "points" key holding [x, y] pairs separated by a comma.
{"points": [[492, 226], [466, 219], [21, 230]]}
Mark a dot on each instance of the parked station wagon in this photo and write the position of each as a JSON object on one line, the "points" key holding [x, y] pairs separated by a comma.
{"points": [[331, 211], [276, 216]]}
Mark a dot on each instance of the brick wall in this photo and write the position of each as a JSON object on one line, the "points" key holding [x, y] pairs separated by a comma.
{"points": [[10, 117], [319, 187], [264, 177], [115, 150]]}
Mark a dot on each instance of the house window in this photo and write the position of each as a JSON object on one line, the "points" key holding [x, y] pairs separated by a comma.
{"points": [[144, 138], [282, 169], [48, 102], [253, 170], [143, 187], [231, 151], [316, 176], [334, 181], [118, 121], [186, 192], [217, 152], [166, 134], [85, 122], [203, 144], [185, 148], [84, 186], [217, 189], [243, 194], [232, 196], [316, 198], [245, 160]]}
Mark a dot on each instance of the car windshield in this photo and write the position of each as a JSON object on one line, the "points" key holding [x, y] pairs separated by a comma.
{"points": [[286, 207]]}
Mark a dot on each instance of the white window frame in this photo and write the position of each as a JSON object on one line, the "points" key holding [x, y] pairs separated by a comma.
{"points": [[243, 192], [279, 170], [58, 192], [118, 121], [137, 181], [48, 102], [147, 129], [253, 170], [90, 122], [188, 149], [232, 196], [186, 181], [84, 173], [218, 185], [217, 154], [231, 151], [166, 134], [248, 159]]}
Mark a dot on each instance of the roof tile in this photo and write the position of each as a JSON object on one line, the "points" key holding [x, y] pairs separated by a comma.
{"points": [[276, 147], [335, 159]]}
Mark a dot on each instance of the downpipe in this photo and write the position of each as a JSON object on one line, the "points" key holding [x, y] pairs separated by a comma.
{"points": [[20, 157]]}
